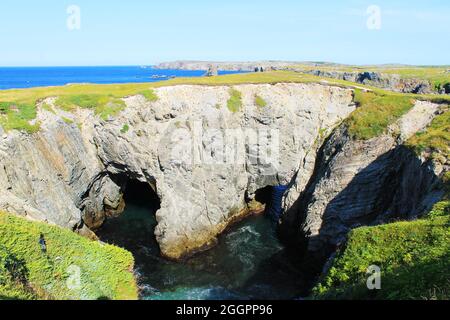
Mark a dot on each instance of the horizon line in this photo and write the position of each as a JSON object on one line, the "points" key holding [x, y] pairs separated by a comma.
{"points": [[222, 61]]}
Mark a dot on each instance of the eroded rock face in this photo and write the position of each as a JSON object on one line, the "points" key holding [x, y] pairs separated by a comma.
{"points": [[370, 182], [386, 81], [201, 158]]}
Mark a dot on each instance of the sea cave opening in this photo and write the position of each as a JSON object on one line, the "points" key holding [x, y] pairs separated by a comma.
{"points": [[134, 228], [249, 261]]}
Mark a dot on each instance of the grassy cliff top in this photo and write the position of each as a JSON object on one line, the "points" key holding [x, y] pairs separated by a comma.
{"points": [[414, 258], [437, 75], [378, 108], [435, 140], [122, 90], [105, 271]]}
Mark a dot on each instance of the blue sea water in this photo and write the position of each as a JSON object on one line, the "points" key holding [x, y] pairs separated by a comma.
{"points": [[28, 77], [249, 262]]}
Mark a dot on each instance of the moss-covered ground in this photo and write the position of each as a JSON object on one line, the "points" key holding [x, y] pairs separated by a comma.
{"points": [[73, 267]]}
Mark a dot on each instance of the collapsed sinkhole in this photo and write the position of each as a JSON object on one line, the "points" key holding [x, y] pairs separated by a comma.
{"points": [[248, 261]]}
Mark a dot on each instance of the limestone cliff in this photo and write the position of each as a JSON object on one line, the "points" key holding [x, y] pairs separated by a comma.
{"points": [[224, 66], [202, 159], [207, 150], [391, 82], [371, 182]]}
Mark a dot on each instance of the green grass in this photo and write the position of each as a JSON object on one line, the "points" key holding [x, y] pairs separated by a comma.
{"points": [[260, 102], [47, 107], [103, 105], [234, 103], [125, 129], [437, 76], [17, 116], [27, 273], [149, 94], [106, 100], [376, 112], [435, 139], [67, 120], [414, 258], [440, 209]]}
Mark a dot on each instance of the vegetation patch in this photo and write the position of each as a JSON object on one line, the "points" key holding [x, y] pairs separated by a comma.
{"points": [[103, 105], [67, 120], [125, 129], [414, 258], [47, 107], [73, 267], [17, 116], [234, 103], [436, 137], [440, 209], [376, 112], [106, 100], [150, 95], [260, 102]]}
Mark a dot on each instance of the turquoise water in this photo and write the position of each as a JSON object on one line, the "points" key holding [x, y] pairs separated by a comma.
{"points": [[248, 263]]}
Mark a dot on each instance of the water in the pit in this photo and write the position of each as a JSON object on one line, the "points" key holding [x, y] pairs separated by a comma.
{"points": [[248, 263]]}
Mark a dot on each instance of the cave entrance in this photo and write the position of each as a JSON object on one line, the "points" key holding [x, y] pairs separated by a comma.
{"points": [[264, 195], [134, 229], [272, 198]]}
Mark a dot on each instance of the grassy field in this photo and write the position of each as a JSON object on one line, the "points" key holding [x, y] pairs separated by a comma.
{"points": [[18, 107], [18, 116], [414, 258], [376, 112], [27, 273]]}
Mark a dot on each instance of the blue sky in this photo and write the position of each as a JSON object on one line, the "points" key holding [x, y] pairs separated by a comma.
{"points": [[138, 32]]}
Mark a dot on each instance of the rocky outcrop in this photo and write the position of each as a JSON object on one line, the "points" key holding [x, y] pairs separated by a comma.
{"points": [[385, 81], [203, 160], [225, 66], [370, 182], [206, 162], [212, 71]]}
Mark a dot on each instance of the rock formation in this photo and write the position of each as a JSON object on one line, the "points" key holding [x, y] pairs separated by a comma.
{"points": [[212, 71], [370, 182], [205, 161], [74, 175], [391, 82], [225, 66]]}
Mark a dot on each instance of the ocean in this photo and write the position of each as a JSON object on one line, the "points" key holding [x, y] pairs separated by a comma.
{"points": [[248, 263], [29, 77]]}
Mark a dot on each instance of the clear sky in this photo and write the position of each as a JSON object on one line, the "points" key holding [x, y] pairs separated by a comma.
{"points": [[142, 32]]}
